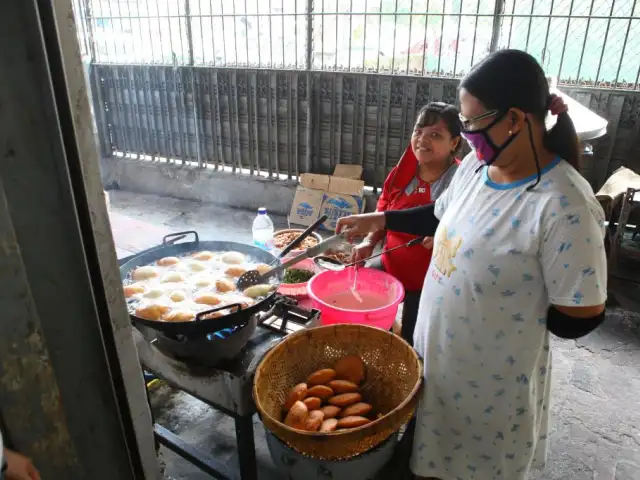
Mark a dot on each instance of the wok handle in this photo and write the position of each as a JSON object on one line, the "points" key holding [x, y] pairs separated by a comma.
{"points": [[176, 237], [302, 236], [199, 315]]}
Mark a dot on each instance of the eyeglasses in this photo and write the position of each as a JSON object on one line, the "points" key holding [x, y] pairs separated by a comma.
{"points": [[467, 123]]}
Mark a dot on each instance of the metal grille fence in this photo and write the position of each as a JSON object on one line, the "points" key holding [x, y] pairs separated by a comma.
{"points": [[586, 43]]}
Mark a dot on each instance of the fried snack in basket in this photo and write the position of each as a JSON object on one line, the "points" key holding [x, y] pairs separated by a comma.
{"points": [[321, 391], [343, 386], [296, 394], [331, 411], [359, 409], [321, 377], [345, 399], [350, 368], [352, 422], [329, 425], [312, 403], [314, 420], [297, 416]]}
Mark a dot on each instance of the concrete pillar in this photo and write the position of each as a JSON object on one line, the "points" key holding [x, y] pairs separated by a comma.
{"points": [[72, 395]]}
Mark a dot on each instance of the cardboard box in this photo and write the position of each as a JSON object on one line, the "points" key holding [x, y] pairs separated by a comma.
{"points": [[338, 195]]}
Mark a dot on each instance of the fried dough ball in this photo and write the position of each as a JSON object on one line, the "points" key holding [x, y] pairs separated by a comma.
{"points": [[223, 285], [173, 277], [154, 293], [208, 299], [203, 256], [133, 289], [152, 311], [233, 258], [263, 268], [177, 296], [144, 273], [167, 261], [179, 316], [235, 271]]}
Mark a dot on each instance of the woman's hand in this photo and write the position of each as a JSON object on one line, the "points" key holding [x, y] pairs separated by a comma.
{"points": [[428, 243], [19, 467], [361, 252], [360, 225]]}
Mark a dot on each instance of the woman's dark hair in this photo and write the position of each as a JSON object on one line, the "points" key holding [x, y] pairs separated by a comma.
{"points": [[514, 79], [433, 112]]}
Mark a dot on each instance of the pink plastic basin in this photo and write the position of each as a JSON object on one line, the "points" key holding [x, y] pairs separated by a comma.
{"points": [[375, 287]]}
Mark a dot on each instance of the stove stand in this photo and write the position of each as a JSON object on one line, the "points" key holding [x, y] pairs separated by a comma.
{"points": [[226, 387]]}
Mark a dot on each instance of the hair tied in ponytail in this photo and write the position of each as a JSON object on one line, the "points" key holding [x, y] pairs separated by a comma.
{"points": [[557, 105]]}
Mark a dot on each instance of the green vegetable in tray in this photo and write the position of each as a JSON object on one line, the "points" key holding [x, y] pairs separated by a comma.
{"points": [[297, 275]]}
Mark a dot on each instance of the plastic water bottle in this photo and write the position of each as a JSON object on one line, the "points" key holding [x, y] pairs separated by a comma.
{"points": [[263, 230]]}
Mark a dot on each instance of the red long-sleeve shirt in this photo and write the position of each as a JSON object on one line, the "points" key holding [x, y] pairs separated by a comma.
{"points": [[404, 189]]}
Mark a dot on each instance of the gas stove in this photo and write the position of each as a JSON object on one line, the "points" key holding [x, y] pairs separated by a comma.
{"points": [[193, 366]]}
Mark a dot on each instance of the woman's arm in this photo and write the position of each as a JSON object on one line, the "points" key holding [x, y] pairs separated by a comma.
{"points": [[420, 221]]}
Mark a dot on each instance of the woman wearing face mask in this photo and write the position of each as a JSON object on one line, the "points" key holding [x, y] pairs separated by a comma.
{"points": [[519, 253], [423, 173]]}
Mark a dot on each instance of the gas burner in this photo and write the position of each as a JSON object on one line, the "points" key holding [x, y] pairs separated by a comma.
{"points": [[222, 348]]}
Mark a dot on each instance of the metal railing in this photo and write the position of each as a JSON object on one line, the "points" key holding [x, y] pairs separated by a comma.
{"points": [[586, 43]]}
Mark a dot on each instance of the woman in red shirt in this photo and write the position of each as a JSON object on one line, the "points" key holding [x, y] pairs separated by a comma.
{"points": [[423, 173]]}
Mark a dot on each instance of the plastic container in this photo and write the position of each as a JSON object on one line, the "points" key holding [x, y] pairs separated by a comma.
{"points": [[263, 230], [298, 290], [299, 249], [387, 291]]}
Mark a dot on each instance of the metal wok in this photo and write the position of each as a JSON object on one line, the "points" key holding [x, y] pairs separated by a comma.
{"points": [[200, 326]]}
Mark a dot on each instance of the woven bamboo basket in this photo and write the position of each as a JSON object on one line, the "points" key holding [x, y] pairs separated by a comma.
{"points": [[393, 380]]}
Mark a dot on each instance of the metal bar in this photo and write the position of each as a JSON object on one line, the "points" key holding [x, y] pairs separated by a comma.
{"points": [[409, 41], [635, 86], [90, 39], [455, 58], [204, 462], [135, 112], [290, 115], [546, 38], [624, 45], [259, 40], [160, 34], [350, 34], [215, 150], [475, 33], [270, 37], [246, 448], [224, 35], [441, 39], [213, 42], [309, 59], [148, 110], [584, 42], [201, 30], [167, 124], [173, 58], [379, 35], [526, 48], [235, 33], [395, 35], [424, 43], [273, 100], [197, 116], [182, 112], [253, 122], [295, 31], [124, 46], [232, 95], [564, 45], [322, 44], [221, 164], [187, 11], [604, 44], [119, 108], [336, 55], [399, 14], [338, 96], [364, 44], [269, 128], [513, 9], [153, 53], [282, 25], [180, 17]]}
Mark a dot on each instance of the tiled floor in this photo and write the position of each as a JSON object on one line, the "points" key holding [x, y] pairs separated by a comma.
{"points": [[596, 433]]}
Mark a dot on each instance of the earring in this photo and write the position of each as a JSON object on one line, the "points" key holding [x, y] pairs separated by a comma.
{"points": [[510, 133]]}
